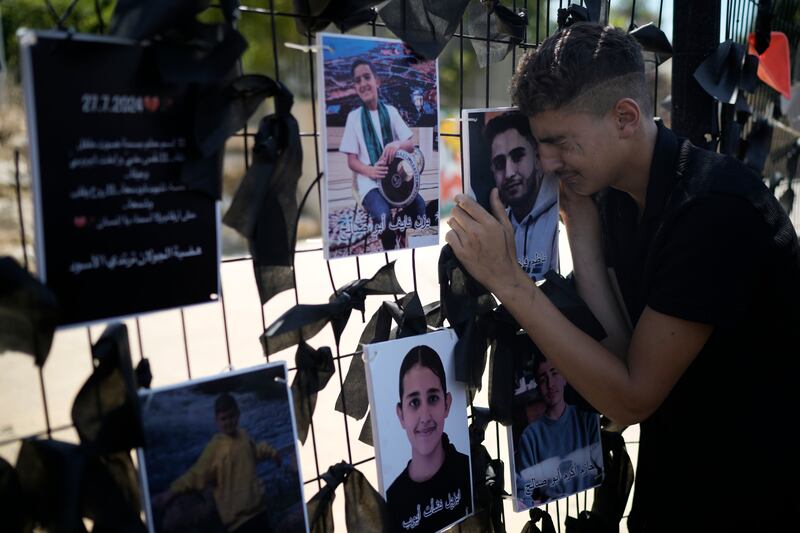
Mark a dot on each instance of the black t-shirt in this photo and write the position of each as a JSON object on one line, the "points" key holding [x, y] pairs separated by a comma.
{"points": [[434, 504], [720, 440]]}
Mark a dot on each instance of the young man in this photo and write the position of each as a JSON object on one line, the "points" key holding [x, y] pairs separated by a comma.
{"points": [[563, 445], [708, 269], [372, 136], [531, 197]]}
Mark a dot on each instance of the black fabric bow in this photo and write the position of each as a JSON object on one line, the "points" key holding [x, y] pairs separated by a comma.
{"points": [[365, 509], [201, 59], [264, 208], [653, 40], [763, 26], [314, 370], [13, 508], [498, 329], [719, 74], [487, 478], [424, 25], [303, 321], [502, 27], [106, 410], [567, 16], [315, 15], [611, 497], [140, 19], [758, 145], [410, 318], [63, 483], [462, 297], [28, 312], [539, 514]]}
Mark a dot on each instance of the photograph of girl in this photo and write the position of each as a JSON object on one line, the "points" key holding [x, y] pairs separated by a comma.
{"points": [[432, 489]]}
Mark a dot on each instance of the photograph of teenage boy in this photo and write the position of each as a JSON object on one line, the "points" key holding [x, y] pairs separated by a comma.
{"points": [[564, 443], [530, 196], [228, 465], [434, 490], [373, 134]]}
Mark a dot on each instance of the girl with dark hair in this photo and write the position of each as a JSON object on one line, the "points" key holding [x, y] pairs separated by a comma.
{"points": [[434, 490]]}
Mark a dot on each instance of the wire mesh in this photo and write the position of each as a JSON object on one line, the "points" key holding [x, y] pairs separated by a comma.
{"points": [[200, 341]]}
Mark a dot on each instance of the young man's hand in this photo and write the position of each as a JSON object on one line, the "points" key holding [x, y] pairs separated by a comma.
{"points": [[378, 171], [483, 243]]}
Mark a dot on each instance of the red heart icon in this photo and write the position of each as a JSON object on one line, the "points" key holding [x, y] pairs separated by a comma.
{"points": [[79, 222], [151, 103]]}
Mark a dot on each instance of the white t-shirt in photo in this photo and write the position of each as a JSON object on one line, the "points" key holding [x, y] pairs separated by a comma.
{"points": [[353, 140]]}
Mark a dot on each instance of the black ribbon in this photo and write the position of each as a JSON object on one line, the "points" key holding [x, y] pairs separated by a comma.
{"points": [[424, 25], [28, 312], [63, 483], [365, 509], [572, 14], [264, 208], [487, 478], [314, 370], [503, 27], [201, 60], [539, 515], [719, 74], [763, 26], [758, 145], [410, 318], [611, 497], [13, 508], [106, 410], [653, 40], [303, 321], [316, 15]]}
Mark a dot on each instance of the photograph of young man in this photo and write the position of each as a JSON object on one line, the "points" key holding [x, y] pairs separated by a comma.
{"points": [[373, 134], [531, 197], [564, 443], [676, 222], [434, 489]]}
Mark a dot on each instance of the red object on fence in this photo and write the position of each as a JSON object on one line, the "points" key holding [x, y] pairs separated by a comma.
{"points": [[774, 65]]}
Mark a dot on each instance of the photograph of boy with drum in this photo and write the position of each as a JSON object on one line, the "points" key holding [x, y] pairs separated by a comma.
{"points": [[381, 146]]}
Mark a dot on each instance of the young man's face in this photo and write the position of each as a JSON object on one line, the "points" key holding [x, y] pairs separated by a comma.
{"points": [[423, 409], [366, 83], [578, 148], [551, 384], [228, 421], [516, 171]]}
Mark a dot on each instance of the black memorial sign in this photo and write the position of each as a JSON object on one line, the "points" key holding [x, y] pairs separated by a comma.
{"points": [[117, 232]]}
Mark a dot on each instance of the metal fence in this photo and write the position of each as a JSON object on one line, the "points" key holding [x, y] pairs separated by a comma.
{"points": [[205, 340]]}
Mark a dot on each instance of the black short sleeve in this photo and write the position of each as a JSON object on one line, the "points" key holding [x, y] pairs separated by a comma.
{"points": [[710, 261]]}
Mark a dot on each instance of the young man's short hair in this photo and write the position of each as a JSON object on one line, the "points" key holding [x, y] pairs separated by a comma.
{"points": [[225, 402], [358, 62], [506, 121], [585, 67]]}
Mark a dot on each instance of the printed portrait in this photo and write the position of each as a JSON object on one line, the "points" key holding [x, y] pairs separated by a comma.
{"points": [[554, 439], [380, 146], [220, 455], [501, 152], [418, 413]]}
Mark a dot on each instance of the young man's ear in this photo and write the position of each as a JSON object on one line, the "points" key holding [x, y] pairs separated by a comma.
{"points": [[448, 399], [627, 115], [400, 415]]}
